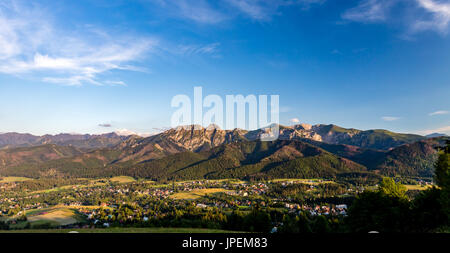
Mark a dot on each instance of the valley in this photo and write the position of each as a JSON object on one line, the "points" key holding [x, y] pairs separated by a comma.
{"points": [[207, 178], [124, 202]]}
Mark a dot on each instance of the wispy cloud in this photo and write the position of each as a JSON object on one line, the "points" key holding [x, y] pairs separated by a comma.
{"points": [[31, 44], [414, 16], [258, 10], [438, 113], [115, 83], [369, 11], [216, 12], [168, 49], [263, 10], [188, 50], [104, 125], [199, 11], [440, 16], [389, 118]]}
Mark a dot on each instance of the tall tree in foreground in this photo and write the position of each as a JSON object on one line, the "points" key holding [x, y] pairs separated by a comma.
{"points": [[442, 173], [443, 178], [430, 209], [392, 189], [384, 210]]}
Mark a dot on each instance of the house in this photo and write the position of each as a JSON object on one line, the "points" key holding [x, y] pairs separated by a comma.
{"points": [[342, 206], [200, 205]]}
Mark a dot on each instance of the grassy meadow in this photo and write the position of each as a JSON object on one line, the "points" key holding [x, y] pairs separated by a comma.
{"points": [[197, 193], [13, 179]]}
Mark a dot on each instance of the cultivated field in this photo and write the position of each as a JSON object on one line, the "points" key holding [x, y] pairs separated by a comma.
{"points": [[122, 179], [55, 217]]}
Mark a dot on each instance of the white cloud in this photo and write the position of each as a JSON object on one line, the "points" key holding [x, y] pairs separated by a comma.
{"points": [[413, 16], [31, 44], [200, 11], [254, 9], [438, 113], [442, 130], [76, 80], [263, 10], [118, 83], [369, 11], [440, 16], [21, 29], [295, 120], [188, 50], [389, 118], [212, 12]]}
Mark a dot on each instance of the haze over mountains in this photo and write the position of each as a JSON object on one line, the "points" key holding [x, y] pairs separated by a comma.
{"points": [[194, 152], [435, 135], [14, 140]]}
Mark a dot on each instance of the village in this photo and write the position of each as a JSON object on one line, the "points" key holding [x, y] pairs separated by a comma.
{"points": [[108, 202]]}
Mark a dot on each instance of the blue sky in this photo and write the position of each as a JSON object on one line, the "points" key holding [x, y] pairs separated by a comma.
{"points": [[102, 66]]}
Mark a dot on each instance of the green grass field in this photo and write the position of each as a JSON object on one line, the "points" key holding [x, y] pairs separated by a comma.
{"points": [[14, 179], [225, 180], [197, 193], [417, 187], [122, 230]]}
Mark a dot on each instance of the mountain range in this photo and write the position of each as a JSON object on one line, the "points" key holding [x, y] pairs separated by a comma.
{"points": [[14, 140], [193, 152]]}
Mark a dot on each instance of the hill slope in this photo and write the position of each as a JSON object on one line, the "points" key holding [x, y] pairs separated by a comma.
{"points": [[248, 159], [195, 152]]}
